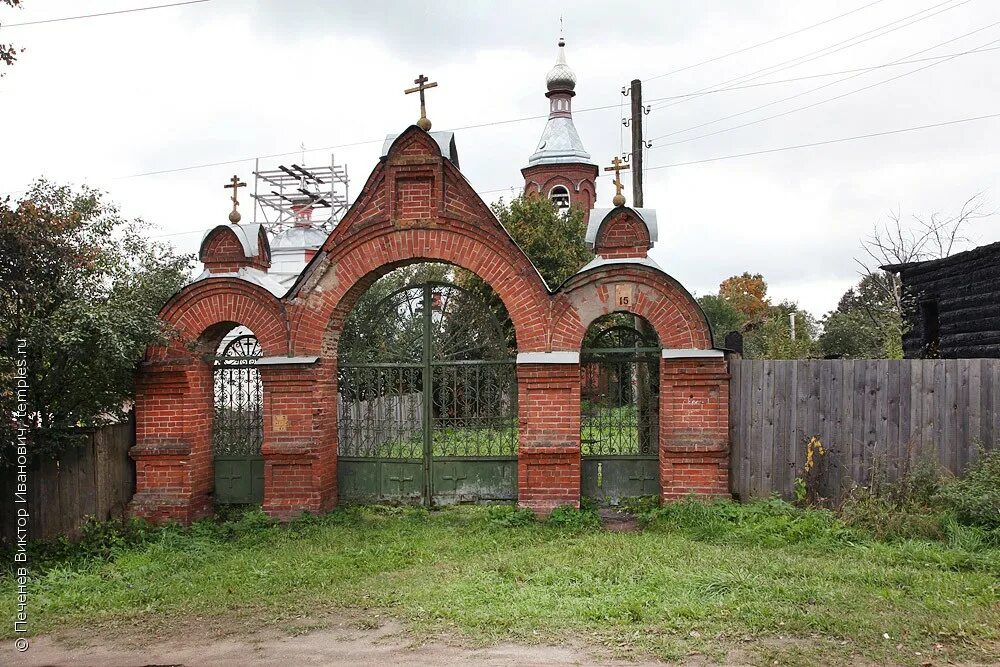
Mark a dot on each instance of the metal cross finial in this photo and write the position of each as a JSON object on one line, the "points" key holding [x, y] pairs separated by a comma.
{"points": [[618, 166], [422, 85], [234, 183]]}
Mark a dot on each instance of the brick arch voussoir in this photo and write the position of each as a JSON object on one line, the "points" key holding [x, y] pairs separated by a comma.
{"points": [[362, 259], [207, 303], [663, 302]]}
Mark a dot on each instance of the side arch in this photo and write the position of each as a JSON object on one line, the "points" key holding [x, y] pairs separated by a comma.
{"points": [[200, 310], [652, 294]]}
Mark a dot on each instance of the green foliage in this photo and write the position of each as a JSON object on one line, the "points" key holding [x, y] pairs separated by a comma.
{"points": [[509, 516], [554, 242], [698, 574], [772, 338], [723, 317], [8, 52], [975, 499], [572, 518], [866, 323], [83, 287]]}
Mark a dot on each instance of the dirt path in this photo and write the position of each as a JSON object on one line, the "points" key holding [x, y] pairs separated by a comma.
{"points": [[345, 643]]}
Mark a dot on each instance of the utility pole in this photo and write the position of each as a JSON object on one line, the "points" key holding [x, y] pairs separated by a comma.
{"points": [[637, 142]]}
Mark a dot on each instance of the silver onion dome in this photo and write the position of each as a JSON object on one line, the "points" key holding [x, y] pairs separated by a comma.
{"points": [[560, 77]]}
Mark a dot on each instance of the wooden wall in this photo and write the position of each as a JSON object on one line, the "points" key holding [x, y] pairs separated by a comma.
{"points": [[95, 479], [865, 412], [966, 287]]}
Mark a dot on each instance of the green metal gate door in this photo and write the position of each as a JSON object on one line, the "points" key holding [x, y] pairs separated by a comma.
{"points": [[238, 424], [427, 400], [619, 415]]}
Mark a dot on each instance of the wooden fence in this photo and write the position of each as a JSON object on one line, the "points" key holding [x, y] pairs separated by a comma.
{"points": [[869, 414], [95, 479]]}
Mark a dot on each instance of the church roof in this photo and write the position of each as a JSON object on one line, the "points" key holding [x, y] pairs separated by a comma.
{"points": [[299, 238], [560, 144], [250, 275], [444, 140], [560, 77], [598, 216]]}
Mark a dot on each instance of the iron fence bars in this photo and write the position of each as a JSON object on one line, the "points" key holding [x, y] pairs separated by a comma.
{"points": [[427, 399], [238, 423], [619, 425]]}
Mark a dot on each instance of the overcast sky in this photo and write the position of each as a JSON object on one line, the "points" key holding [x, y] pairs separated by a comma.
{"points": [[99, 100]]}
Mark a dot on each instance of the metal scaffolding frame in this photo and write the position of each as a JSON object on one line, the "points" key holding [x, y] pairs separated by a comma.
{"points": [[287, 196]]}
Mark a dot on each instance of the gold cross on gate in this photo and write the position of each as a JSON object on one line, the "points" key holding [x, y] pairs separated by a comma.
{"points": [[618, 166], [424, 123], [234, 183]]}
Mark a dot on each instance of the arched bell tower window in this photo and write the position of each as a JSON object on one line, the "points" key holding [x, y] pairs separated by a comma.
{"points": [[559, 196]]}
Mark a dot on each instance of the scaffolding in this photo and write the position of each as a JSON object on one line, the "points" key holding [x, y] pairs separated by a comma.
{"points": [[299, 195]]}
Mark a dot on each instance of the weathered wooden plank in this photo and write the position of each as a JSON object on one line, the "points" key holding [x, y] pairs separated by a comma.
{"points": [[928, 431], [756, 427], [746, 411], [784, 397], [767, 431], [860, 399], [846, 434], [735, 442]]}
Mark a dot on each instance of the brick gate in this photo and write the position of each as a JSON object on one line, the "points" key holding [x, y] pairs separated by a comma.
{"points": [[416, 206]]}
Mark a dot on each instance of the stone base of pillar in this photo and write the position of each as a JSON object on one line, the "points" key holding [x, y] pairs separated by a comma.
{"points": [[548, 477], [704, 474]]}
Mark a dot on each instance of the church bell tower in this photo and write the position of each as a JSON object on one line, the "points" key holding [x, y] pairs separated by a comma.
{"points": [[560, 168]]}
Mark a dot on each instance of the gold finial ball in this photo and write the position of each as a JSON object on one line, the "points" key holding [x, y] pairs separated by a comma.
{"points": [[424, 124], [234, 216], [618, 200]]}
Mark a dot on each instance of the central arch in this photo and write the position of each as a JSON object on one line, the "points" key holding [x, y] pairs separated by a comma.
{"points": [[427, 396]]}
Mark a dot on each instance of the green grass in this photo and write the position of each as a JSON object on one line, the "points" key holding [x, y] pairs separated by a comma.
{"points": [[785, 584]]}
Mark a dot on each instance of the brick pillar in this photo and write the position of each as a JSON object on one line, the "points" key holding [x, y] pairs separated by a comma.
{"points": [[300, 436], [548, 465], [173, 457], [694, 427]]}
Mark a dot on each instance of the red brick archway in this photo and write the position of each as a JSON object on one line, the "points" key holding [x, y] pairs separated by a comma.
{"points": [[416, 206]]}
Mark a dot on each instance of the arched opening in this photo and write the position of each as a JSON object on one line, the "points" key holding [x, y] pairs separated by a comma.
{"points": [[559, 196], [237, 419], [427, 391], [619, 409]]}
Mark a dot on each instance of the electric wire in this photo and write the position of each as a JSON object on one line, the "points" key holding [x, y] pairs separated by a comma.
{"points": [[819, 53], [827, 85], [827, 141], [90, 16], [764, 43]]}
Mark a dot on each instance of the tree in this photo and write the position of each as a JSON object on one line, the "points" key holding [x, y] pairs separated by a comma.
{"points": [[748, 294], [772, 337], [722, 316], [553, 241], [866, 323], [82, 288], [8, 52], [927, 238]]}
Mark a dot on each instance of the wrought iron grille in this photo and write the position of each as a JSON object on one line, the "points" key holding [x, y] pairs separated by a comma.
{"points": [[427, 371], [238, 423], [619, 394]]}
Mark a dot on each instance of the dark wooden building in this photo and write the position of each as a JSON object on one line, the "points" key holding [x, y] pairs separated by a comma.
{"points": [[951, 306]]}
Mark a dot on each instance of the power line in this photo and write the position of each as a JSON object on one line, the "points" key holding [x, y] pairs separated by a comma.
{"points": [[843, 44], [90, 16], [823, 74], [828, 141], [764, 43], [827, 85]]}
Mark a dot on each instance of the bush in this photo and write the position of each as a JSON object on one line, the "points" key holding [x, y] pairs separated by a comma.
{"points": [[567, 516], [975, 499], [509, 516]]}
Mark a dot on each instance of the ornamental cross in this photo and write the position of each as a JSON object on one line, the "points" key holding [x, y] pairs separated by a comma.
{"points": [[618, 166], [234, 183], [424, 123]]}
